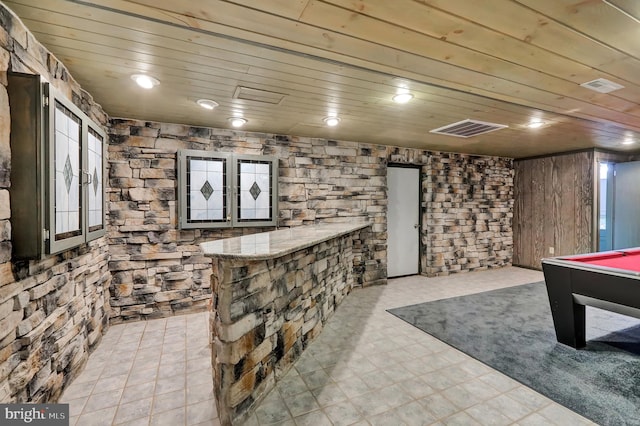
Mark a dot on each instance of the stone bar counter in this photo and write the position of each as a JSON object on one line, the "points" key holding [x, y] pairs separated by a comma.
{"points": [[272, 294]]}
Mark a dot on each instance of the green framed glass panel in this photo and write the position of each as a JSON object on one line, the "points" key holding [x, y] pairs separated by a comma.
{"points": [[223, 190], [52, 207], [94, 182], [67, 178], [256, 195], [203, 190]]}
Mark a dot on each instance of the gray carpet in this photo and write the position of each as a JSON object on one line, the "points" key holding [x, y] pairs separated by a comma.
{"points": [[511, 330]]}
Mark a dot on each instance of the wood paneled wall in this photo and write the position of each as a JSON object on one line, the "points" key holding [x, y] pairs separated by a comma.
{"points": [[554, 199]]}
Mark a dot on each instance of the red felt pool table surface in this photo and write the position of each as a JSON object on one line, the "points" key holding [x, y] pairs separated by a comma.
{"points": [[629, 260]]}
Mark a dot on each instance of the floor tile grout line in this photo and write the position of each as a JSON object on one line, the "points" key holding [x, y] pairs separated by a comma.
{"points": [[380, 331], [97, 381], [155, 385], [129, 376], [459, 362], [186, 390]]}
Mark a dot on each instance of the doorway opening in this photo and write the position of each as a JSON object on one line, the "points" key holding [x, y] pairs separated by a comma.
{"points": [[618, 205], [403, 221], [605, 206]]}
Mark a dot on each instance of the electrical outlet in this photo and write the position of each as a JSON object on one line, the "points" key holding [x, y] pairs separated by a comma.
{"points": [[552, 250]]}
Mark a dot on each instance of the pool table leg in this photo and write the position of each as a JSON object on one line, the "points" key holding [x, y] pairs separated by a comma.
{"points": [[579, 334], [568, 316]]}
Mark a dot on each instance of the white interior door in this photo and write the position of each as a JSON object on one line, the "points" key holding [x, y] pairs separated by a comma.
{"points": [[403, 210], [626, 205]]}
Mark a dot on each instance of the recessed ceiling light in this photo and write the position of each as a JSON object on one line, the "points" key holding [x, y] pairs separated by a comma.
{"points": [[402, 98], [207, 103], [535, 124], [331, 121], [145, 81], [237, 121]]}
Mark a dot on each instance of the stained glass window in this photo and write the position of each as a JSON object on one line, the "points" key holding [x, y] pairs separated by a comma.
{"points": [[206, 189], [223, 190], [67, 181], [94, 180], [58, 202], [254, 190]]}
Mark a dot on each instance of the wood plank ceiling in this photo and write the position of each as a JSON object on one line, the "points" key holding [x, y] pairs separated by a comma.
{"points": [[501, 61]]}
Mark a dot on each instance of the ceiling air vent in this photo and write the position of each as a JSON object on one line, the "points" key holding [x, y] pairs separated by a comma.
{"points": [[258, 95], [468, 128], [602, 85]]}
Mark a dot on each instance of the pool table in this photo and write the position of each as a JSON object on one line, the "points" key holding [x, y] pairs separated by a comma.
{"points": [[608, 280]]}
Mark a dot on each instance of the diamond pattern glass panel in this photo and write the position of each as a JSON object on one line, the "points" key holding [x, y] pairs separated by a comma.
{"points": [[95, 196], [254, 197], [67, 146], [95, 181], [206, 189], [67, 173], [255, 191]]}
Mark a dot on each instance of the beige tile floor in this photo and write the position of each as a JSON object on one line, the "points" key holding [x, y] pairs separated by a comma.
{"points": [[366, 368], [155, 372]]}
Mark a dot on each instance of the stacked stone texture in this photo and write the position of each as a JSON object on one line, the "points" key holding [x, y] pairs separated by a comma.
{"points": [[265, 313], [467, 210], [159, 270], [469, 213], [53, 311]]}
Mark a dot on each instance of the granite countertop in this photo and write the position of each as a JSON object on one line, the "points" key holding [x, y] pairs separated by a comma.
{"points": [[269, 245]]}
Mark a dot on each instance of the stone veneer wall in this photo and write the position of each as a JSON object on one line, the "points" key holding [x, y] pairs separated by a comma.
{"points": [[469, 213], [53, 311], [266, 312], [467, 210], [158, 270]]}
